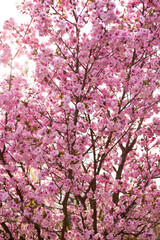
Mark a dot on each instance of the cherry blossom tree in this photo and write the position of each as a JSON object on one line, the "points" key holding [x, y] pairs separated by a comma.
{"points": [[79, 126]]}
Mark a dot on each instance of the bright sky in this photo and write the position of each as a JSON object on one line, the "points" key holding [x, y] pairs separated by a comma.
{"points": [[7, 10]]}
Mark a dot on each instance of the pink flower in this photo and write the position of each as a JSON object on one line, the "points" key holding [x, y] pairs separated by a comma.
{"points": [[4, 196], [110, 236]]}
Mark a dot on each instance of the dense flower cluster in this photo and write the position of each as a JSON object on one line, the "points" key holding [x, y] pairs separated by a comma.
{"points": [[79, 123]]}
